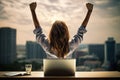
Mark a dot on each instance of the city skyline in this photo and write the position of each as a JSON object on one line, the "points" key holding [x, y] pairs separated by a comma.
{"points": [[98, 56], [104, 21]]}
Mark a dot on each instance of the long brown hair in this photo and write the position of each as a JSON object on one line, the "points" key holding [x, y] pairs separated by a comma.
{"points": [[59, 39]]}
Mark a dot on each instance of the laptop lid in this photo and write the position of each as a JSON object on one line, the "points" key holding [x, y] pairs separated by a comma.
{"points": [[59, 67]]}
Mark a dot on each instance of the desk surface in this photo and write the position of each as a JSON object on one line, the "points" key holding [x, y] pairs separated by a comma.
{"points": [[40, 74]]}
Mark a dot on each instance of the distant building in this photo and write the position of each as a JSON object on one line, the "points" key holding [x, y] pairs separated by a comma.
{"points": [[92, 64], [88, 62], [80, 61], [110, 50], [80, 51], [78, 54], [21, 51], [7, 45], [98, 50], [117, 52], [34, 50], [118, 48]]}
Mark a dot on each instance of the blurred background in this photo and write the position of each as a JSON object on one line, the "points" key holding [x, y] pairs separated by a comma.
{"points": [[99, 51]]}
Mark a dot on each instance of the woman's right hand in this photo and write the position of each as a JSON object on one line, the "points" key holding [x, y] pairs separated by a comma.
{"points": [[33, 5], [89, 6]]}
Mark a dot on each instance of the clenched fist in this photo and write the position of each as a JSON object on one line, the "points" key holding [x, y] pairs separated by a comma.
{"points": [[89, 6], [33, 5]]}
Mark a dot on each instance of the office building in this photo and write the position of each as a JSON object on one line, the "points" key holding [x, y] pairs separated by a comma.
{"points": [[98, 50], [34, 51], [7, 45], [110, 50]]}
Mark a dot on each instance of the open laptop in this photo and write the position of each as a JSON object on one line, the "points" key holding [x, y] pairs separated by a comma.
{"points": [[59, 67]]}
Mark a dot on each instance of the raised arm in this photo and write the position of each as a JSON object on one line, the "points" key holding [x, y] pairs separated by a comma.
{"points": [[35, 20], [90, 8]]}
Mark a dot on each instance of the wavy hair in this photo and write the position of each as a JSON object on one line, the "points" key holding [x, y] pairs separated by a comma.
{"points": [[59, 39]]}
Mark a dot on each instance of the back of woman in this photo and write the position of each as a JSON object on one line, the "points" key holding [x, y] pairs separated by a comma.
{"points": [[57, 45]]}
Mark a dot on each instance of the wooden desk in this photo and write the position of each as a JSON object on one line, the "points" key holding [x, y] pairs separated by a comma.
{"points": [[39, 75]]}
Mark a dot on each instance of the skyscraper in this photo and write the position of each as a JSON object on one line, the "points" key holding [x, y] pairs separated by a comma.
{"points": [[7, 45], [98, 50], [110, 50], [34, 50]]}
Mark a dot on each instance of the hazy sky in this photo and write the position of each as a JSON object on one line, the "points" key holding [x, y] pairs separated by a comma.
{"points": [[104, 21]]}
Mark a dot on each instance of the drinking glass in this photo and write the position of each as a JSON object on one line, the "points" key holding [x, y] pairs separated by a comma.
{"points": [[28, 68]]}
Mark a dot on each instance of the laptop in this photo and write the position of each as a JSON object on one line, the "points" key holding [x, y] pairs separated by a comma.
{"points": [[59, 67]]}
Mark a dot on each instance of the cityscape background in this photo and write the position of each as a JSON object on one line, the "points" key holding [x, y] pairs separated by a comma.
{"points": [[89, 57], [100, 49]]}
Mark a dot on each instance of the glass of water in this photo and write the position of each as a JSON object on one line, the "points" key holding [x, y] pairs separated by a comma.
{"points": [[28, 68]]}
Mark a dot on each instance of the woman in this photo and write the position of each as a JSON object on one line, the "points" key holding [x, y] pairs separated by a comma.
{"points": [[58, 45]]}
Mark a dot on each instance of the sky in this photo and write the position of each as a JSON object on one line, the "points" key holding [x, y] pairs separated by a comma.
{"points": [[104, 21]]}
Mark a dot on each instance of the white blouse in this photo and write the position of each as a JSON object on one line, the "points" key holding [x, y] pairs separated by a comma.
{"points": [[73, 44]]}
